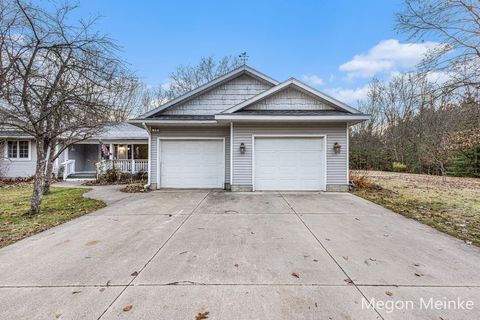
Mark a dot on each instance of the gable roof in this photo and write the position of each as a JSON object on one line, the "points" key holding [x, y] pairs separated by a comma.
{"points": [[243, 70], [293, 83]]}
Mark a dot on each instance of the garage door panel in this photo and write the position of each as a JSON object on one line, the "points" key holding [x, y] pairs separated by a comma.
{"points": [[289, 163], [192, 164]]}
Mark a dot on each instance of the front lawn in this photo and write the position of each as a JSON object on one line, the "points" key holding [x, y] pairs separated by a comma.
{"points": [[59, 206], [450, 204]]}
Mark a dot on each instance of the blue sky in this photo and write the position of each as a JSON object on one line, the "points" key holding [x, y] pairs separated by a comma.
{"points": [[335, 46]]}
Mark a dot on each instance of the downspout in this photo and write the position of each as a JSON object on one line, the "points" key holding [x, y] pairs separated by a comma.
{"points": [[149, 155]]}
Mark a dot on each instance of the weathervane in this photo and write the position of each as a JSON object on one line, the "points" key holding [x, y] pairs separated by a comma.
{"points": [[243, 57]]}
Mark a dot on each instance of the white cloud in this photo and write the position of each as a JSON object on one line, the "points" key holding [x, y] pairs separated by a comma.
{"points": [[388, 55], [312, 80], [439, 77], [348, 96]]}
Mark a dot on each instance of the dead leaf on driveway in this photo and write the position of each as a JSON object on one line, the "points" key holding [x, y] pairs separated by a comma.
{"points": [[418, 274], [345, 257], [202, 315], [295, 275], [134, 274], [236, 265], [388, 293], [75, 292], [127, 308], [92, 243], [348, 280]]}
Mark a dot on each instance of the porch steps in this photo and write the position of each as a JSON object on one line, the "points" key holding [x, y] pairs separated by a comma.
{"points": [[79, 176]]}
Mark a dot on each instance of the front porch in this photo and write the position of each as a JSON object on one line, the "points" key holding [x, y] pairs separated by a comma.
{"points": [[88, 160]]}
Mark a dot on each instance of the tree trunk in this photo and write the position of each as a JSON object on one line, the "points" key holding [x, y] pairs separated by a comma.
{"points": [[39, 179], [49, 170]]}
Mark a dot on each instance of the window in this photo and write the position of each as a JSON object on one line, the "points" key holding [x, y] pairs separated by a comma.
{"points": [[23, 149], [12, 149], [18, 149]]}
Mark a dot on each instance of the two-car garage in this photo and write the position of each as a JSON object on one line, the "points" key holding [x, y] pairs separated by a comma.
{"points": [[277, 162]]}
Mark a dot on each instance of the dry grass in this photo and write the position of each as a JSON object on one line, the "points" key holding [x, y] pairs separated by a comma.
{"points": [[59, 206], [448, 204]]}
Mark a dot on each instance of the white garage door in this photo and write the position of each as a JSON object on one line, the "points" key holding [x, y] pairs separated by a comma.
{"points": [[192, 164], [289, 163]]}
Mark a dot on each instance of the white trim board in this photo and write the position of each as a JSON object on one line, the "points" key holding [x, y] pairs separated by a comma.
{"points": [[323, 136], [159, 150]]}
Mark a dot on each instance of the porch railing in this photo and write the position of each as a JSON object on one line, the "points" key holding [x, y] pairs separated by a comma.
{"points": [[68, 168], [132, 166]]}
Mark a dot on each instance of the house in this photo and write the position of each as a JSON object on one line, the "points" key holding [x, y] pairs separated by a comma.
{"points": [[245, 131], [124, 145]]}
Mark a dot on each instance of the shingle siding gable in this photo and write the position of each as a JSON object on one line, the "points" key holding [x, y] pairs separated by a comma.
{"points": [[290, 99], [220, 98]]}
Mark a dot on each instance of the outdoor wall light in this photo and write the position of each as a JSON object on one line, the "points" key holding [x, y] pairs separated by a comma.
{"points": [[337, 147], [242, 148]]}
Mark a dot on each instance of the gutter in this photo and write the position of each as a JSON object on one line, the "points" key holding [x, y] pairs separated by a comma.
{"points": [[175, 122], [321, 118], [149, 155]]}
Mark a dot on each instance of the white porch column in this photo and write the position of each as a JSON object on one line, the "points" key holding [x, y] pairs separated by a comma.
{"points": [[133, 160], [111, 152]]}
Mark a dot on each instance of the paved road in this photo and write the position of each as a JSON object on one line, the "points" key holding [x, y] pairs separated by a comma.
{"points": [[173, 254]]}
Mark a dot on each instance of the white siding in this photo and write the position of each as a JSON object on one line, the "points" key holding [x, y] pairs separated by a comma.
{"points": [[197, 132], [290, 99], [13, 168], [220, 98], [335, 132]]}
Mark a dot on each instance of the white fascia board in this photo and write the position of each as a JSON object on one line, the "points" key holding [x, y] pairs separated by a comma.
{"points": [[175, 122], [213, 83], [269, 118], [325, 97], [16, 137], [340, 105]]}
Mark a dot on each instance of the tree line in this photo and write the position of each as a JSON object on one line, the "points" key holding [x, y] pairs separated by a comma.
{"points": [[427, 120]]}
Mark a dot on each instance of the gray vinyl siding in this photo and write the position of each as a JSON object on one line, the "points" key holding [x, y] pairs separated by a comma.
{"points": [[337, 166], [220, 98], [197, 132], [13, 168], [290, 99]]}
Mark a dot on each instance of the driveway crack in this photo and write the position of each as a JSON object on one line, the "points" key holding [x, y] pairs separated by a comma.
{"points": [[328, 252], [155, 254]]}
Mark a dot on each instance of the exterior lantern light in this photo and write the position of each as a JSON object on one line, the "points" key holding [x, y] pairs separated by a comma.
{"points": [[242, 148], [337, 147]]}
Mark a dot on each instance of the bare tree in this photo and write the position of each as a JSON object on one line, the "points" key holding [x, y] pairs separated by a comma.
{"points": [[3, 162], [59, 82], [456, 24]]}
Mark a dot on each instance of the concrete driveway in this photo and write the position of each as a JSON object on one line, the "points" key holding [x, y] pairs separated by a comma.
{"points": [[174, 254]]}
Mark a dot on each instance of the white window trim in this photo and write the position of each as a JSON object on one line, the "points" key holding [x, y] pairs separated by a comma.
{"points": [[18, 150], [323, 136]]}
